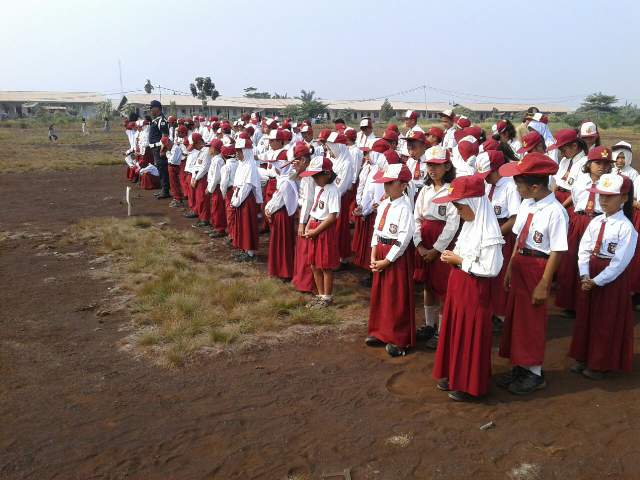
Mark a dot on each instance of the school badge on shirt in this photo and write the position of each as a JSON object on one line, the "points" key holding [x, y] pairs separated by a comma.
{"points": [[442, 210], [338, 180], [497, 209], [612, 248], [321, 205], [537, 237], [393, 229]]}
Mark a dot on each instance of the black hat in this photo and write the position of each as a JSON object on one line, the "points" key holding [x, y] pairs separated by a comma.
{"points": [[155, 103]]}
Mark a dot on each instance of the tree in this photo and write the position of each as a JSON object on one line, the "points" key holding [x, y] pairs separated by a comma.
{"points": [[347, 114], [104, 109], [312, 108], [252, 92], [307, 96], [204, 88], [173, 108], [279, 96], [148, 87], [599, 102], [292, 111], [386, 111]]}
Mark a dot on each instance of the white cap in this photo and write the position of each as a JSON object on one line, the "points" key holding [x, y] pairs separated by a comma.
{"points": [[447, 113], [483, 163], [242, 143], [305, 128], [588, 129], [436, 154], [612, 184], [537, 117], [365, 122], [469, 138], [332, 138]]}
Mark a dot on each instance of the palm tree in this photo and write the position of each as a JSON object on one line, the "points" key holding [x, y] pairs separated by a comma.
{"points": [[306, 96]]}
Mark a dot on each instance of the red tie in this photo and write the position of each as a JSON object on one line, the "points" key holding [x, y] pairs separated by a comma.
{"points": [[384, 216], [598, 246], [525, 232], [416, 171], [566, 174], [591, 201], [315, 204], [491, 191]]}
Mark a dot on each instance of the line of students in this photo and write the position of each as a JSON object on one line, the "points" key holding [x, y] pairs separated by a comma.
{"points": [[485, 225]]}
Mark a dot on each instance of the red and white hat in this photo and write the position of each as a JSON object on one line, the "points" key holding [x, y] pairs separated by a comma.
{"points": [[366, 122], [436, 132], [317, 165], [499, 127], [351, 134], [337, 137], [437, 154], [277, 134], [534, 163], [463, 122], [529, 142], [564, 137], [390, 136], [468, 186], [393, 172], [488, 162], [380, 145], [599, 154], [588, 130], [243, 143], [416, 136], [612, 184], [411, 114], [447, 113], [306, 128], [324, 134], [301, 149]]}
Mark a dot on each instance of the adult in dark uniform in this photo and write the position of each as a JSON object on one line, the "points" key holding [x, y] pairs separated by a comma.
{"points": [[159, 128]]}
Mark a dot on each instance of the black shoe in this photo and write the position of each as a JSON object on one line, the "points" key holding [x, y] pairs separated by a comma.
{"points": [[432, 343], [366, 282], [343, 267], [190, 214], [497, 324], [579, 367], [162, 196], [527, 383], [425, 332], [443, 385], [507, 379], [395, 351], [458, 396], [217, 234], [373, 342]]}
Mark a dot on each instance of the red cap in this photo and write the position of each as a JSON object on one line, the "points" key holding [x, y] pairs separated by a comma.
{"points": [[458, 135], [351, 134], [165, 141], [213, 118], [416, 136], [488, 162], [171, 119], [564, 137], [463, 122], [228, 151], [467, 149], [215, 144], [324, 134], [392, 157], [181, 121], [600, 153], [337, 137], [473, 131], [436, 132], [468, 186], [393, 172], [380, 146], [394, 127], [317, 165], [277, 134], [201, 118], [196, 137], [249, 129], [301, 149], [529, 142], [501, 126], [390, 136], [288, 135], [535, 163], [490, 144], [411, 114]]}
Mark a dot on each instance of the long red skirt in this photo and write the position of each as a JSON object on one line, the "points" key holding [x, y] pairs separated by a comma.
{"points": [[245, 224], [282, 244], [322, 250], [562, 195], [190, 193], [218, 218], [498, 293], [464, 348], [184, 180], [343, 226], [525, 325], [202, 200], [634, 266], [603, 331], [361, 243], [130, 173], [567, 275], [174, 182], [302, 280], [231, 214], [149, 182], [392, 309], [434, 275], [267, 193]]}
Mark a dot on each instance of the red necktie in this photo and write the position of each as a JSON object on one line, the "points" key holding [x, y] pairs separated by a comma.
{"points": [[384, 216], [591, 201], [491, 191], [315, 204], [416, 170], [566, 174], [598, 246], [525, 232]]}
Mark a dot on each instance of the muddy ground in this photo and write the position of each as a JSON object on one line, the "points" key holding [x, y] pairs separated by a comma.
{"points": [[73, 405]]}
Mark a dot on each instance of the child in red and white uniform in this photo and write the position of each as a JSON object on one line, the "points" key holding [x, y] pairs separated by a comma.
{"points": [[463, 358], [245, 201], [217, 208], [447, 117], [391, 309], [227, 175], [416, 142], [189, 169], [622, 156], [321, 229], [505, 201], [573, 151], [541, 227], [199, 170], [303, 280], [589, 133], [603, 332], [129, 155], [436, 227], [463, 156], [176, 159]]}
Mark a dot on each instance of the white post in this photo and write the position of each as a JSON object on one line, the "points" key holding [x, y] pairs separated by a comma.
{"points": [[128, 199]]}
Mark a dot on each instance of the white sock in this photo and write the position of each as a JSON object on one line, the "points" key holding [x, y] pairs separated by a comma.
{"points": [[536, 369], [251, 253], [430, 315], [501, 317], [326, 297]]}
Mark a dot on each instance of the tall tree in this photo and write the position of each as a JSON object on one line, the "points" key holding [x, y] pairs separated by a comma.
{"points": [[252, 92], [148, 87], [306, 96], [386, 111], [599, 102], [204, 88]]}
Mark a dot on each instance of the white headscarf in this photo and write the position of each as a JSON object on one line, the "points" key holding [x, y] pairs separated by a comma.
{"points": [[483, 232], [340, 152], [247, 172], [625, 148], [543, 130]]}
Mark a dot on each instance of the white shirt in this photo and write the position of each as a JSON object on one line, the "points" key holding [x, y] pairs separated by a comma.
{"points": [[488, 263], [286, 195], [630, 172], [228, 174], [417, 168], [549, 225], [326, 200], [214, 175], [356, 156], [425, 209], [192, 159], [399, 225], [200, 166], [449, 140], [566, 168], [344, 174], [306, 190], [515, 146], [505, 199], [243, 183], [618, 244], [364, 141], [580, 195]]}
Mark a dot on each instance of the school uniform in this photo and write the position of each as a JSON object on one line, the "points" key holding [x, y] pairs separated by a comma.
{"points": [[282, 208], [202, 200], [418, 169], [449, 140], [189, 169], [176, 158], [567, 174], [603, 331], [436, 227], [541, 227], [322, 251], [392, 309], [368, 197], [505, 200], [303, 276], [217, 208], [343, 168], [246, 196], [227, 176], [363, 140], [149, 176]]}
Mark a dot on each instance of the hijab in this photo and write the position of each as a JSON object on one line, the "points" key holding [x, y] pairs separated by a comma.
{"points": [[483, 232]]}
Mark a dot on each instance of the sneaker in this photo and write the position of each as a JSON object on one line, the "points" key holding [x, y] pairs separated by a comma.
{"points": [[458, 396], [162, 196], [217, 234], [395, 351], [176, 204], [507, 379], [443, 385], [312, 302], [527, 383], [578, 367], [157, 194], [497, 324], [373, 342], [201, 224], [432, 343], [593, 374], [425, 332], [190, 214], [321, 303]]}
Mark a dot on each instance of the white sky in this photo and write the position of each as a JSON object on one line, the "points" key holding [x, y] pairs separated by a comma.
{"points": [[544, 51]]}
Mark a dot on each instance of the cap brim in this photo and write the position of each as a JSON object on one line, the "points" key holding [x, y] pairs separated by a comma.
{"points": [[445, 199], [509, 169], [309, 173], [485, 174], [437, 161], [600, 192], [522, 150]]}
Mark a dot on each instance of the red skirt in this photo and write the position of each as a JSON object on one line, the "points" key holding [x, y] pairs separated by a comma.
{"points": [[130, 173], [245, 224], [231, 214], [184, 181], [392, 309], [603, 330], [525, 325], [302, 280], [149, 182], [191, 194], [282, 243], [202, 200], [498, 293], [218, 218], [434, 275], [567, 275], [174, 182], [562, 195], [269, 189], [323, 250], [343, 226], [464, 348], [634, 266], [361, 243]]}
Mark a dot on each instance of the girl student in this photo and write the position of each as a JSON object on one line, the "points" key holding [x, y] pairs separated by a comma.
{"points": [[199, 171], [463, 358], [218, 210], [227, 175], [541, 227], [603, 331], [505, 133], [436, 227], [574, 154], [391, 309], [585, 207], [247, 195], [622, 156], [590, 134], [505, 201], [321, 230], [177, 158]]}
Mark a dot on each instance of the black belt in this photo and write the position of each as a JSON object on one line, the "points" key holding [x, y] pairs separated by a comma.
{"points": [[560, 189], [528, 252], [586, 214], [387, 241]]}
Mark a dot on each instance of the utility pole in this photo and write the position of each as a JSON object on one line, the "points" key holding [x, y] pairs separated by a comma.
{"points": [[120, 73], [426, 107]]}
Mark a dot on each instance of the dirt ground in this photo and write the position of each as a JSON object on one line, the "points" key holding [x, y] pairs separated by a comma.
{"points": [[76, 406]]}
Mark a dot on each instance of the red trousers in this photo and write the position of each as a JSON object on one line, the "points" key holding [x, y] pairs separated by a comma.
{"points": [[174, 182]]}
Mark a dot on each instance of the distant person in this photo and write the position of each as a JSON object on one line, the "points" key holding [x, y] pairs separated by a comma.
{"points": [[52, 134], [85, 130]]}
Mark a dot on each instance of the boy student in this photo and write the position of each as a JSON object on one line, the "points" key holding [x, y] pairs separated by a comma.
{"points": [[218, 211], [541, 226]]}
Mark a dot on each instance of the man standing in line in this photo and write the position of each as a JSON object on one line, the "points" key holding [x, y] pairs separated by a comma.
{"points": [[159, 128]]}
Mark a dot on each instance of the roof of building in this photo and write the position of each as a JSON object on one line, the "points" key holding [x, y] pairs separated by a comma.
{"points": [[515, 107], [52, 97]]}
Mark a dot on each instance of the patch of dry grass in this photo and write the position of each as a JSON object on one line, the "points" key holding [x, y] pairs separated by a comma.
{"points": [[184, 299]]}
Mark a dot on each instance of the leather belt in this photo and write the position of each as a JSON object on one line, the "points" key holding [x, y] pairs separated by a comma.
{"points": [[528, 252]]}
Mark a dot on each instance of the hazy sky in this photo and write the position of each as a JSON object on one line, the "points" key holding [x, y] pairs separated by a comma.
{"points": [[547, 51]]}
